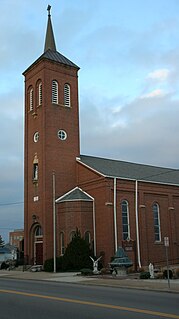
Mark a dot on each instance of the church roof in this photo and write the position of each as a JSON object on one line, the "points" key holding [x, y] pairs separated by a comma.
{"points": [[131, 171], [76, 194]]}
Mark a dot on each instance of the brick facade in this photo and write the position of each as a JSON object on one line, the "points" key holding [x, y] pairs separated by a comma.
{"points": [[53, 155]]}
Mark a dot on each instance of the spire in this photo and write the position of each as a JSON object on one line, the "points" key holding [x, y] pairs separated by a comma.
{"points": [[49, 39]]}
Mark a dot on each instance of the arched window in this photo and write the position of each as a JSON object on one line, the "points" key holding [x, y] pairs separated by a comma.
{"points": [[67, 95], [157, 230], [62, 243], [87, 237], [40, 93], [38, 231], [35, 169], [54, 92], [125, 220], [31, 99], [72, 234]]}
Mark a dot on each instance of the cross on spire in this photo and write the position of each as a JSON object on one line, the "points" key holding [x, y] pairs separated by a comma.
{"points": [[49, 39], [48, 9]]}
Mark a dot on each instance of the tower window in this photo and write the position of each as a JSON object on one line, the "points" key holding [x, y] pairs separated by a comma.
{"points": [[62, 135], [157, 231], [31, 102], [67, 95], [54, 92], [40, 93], [125, 220], [36, 137], [35, 169], [35, 172]]}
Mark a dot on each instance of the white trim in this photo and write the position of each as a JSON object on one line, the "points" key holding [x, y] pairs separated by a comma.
{"points": [[137, 223], [60, 199], [94, 227], [115, 217], [54, 223], [74, 200], [140, 180], [92, 169]]}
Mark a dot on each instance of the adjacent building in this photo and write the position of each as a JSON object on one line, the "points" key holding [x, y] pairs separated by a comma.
{"points": [[16, 238]]}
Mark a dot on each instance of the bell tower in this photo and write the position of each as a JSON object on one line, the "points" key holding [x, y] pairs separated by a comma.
{"points": [[51, 143]]}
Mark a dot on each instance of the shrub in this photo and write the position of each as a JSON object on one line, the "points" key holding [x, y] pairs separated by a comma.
{"points": [[177, 273], [105, 271], [4, 265], [159, 275], [165, 275], [77, 254], [144, 275], [48, 265], [86, 272]]}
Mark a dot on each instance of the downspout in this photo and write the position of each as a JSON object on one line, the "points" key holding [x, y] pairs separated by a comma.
{"points": [[137, 223], [54, 224], [94, 227], [115, 217]]}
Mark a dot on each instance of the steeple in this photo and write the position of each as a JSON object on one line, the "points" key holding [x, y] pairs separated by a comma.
{"points": [[49, 39]]}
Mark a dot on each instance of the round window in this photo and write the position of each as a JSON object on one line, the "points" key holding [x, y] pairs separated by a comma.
{"points": [[62, 135], [36, 137]]}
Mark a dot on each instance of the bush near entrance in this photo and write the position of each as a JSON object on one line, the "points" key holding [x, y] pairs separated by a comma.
{"points": [[76, 256]]}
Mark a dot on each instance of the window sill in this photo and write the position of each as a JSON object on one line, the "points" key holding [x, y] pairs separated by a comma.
{"points": [[158, 243]]}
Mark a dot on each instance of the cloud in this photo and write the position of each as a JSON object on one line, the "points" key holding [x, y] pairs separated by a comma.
{"points": [[159, 75], [155, 93], [150, 133]]}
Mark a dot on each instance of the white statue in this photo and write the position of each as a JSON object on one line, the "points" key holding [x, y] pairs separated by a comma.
{"points": [[151, 270], [95, 265]]}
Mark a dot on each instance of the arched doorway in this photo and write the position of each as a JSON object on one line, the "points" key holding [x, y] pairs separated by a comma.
{"points": [[38, 246]]}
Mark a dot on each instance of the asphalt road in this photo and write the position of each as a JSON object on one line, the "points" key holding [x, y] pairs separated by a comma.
{"points": [[27, 299]]}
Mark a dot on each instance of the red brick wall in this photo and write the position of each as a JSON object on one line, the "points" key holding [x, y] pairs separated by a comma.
{"points": [[166, 196], [53, 154], [73, 215]]}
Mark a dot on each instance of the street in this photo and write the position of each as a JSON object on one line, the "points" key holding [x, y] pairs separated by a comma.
{"points": [[36, 299]]}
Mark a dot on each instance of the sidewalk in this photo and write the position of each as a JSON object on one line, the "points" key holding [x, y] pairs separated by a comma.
{"points": [[121, 282]]}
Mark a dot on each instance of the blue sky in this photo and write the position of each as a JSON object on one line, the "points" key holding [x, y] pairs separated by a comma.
{"points": [[128, 53]]}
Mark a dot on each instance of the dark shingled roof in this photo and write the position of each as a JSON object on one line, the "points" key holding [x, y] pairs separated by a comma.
{"points": [[75, 194], [56, 57], [134, 171]]}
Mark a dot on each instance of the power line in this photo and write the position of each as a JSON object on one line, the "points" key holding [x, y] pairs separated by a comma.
{"points": [[10, 204], [7, 228]]}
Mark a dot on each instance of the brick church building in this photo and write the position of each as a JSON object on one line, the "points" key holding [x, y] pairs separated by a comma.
{"points": [[113, 203]]}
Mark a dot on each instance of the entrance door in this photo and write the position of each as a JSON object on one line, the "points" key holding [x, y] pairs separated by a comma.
{"points": [[39, 253]]}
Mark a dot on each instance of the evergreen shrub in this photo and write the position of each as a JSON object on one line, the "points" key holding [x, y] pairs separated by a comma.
{"points": [[144, 275]]}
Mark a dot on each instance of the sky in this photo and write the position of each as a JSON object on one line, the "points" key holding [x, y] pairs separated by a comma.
{"points": [[128, 54]]}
